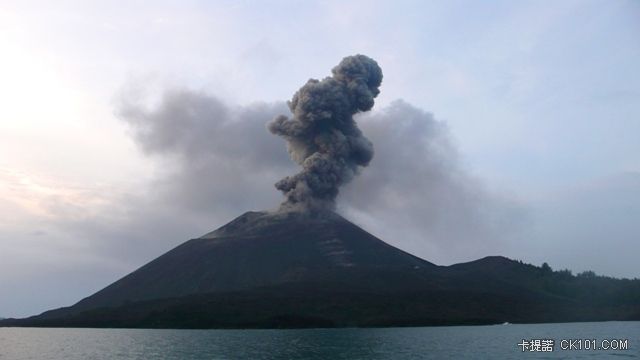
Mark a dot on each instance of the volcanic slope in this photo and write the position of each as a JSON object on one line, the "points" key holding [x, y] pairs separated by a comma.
{"points": [[260, 249]]}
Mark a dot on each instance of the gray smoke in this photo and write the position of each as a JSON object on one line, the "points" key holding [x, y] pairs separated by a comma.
{"points": [[215, 161], [418, 194], [323, 137], [214, 158]]}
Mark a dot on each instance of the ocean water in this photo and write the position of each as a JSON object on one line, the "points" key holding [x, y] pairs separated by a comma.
{"points": [[455, 342]]}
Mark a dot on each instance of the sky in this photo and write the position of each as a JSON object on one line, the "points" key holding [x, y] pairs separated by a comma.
{"points": [[126, 128]]}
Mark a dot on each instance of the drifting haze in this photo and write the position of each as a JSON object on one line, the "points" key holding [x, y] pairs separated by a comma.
{"points": [[217, 159], [221, 161]]}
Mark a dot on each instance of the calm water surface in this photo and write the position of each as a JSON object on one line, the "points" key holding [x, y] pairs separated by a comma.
{"points": [[459, 342]]}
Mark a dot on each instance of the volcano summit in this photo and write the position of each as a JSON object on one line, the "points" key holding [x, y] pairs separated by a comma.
{"points": [[258, 250]]}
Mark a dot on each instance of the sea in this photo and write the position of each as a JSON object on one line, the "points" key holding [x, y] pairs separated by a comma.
{"points": [[595, 340]]}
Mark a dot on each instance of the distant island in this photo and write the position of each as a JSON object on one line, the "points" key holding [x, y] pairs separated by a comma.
{"points": [[303, 265], [296, 270]]}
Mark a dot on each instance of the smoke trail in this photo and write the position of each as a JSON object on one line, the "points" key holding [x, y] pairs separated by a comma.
{"points": [[322, 135]]}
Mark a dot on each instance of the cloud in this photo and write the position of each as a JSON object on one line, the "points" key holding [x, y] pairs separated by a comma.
{"points": [[220, 161], [217, 160], [417, 194]]}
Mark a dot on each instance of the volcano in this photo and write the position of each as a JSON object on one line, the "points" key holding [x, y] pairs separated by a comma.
{"points": [[257, 250], [291, 269]]}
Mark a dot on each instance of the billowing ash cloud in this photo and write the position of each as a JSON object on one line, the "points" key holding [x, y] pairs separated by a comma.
{"points": [[217, 161], [322, 135]]}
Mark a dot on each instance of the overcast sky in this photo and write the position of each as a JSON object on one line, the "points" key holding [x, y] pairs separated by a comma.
{"points": [[502, 128]]}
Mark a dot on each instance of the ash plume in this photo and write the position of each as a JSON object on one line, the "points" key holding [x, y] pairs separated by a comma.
{"points": [[322, 136]]}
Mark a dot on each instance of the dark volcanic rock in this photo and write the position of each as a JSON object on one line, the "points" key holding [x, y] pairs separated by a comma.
{"points": [[260, 249]]}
